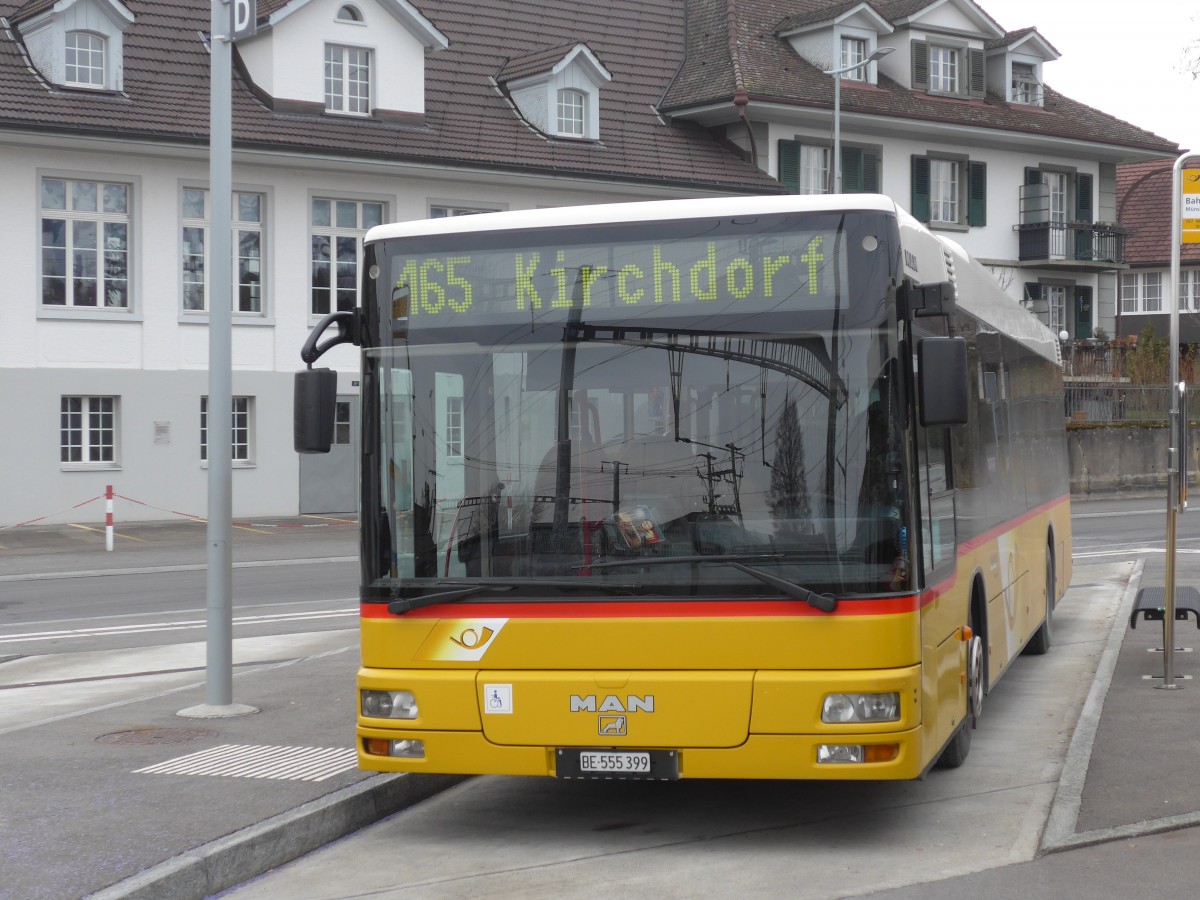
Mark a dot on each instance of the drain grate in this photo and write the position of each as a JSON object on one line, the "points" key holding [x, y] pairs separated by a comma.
{"points": [[156, 736], [256, 761]]}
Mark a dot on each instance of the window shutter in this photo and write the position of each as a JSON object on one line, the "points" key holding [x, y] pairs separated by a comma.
{"points": [[789, 165], [920, 66], [920, 188], [978, 82], [852, 163], [1033, 176], [1033, 290], [870, 170], [1083, 197], [977, 193], [1083, 311]]}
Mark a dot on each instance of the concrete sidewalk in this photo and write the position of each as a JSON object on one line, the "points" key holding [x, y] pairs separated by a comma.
{"points": [[84, 804], [85, 807]]}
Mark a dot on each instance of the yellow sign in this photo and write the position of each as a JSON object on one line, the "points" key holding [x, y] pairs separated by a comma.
{"points": [[1191, 206]]}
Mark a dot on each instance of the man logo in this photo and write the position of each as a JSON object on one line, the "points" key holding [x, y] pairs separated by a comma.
{"points": [[612, 725]]}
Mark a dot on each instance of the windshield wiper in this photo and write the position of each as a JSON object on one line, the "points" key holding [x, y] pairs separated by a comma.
{"points": [[823, 602], [461, 590], [407, 604]]}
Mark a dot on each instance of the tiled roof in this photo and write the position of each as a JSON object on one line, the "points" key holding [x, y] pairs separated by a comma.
{"points": [[467, 122], [535, 63], [1144, 207], [732, 45]]}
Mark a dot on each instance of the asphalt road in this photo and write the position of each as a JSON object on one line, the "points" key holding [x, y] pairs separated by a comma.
{"points": [[512, 837], [500, 837]]}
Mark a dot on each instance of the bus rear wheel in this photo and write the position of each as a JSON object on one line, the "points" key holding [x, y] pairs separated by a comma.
{"points": [[1040, 643]]}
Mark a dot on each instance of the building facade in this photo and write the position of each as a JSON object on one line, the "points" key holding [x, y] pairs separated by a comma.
{"points": [[1144, 205], [347, 114]]}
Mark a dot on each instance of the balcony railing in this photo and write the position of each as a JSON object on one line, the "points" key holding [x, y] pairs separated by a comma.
{"points": [[1078, 241]]}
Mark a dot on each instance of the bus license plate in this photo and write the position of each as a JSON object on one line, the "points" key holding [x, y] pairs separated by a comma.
{"points": [[615, 763]]}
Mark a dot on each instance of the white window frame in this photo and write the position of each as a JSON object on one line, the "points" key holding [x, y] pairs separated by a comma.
{"points": [[1152, 291], [88, 432], [813, 169], [101, 260], [1130, 293], [241, 433], [329, 226], [1055, 296], [348, 76], [945, 191], [1143, 292], [248, 215], [448, 210], [90, 61], [853, 51], [1025, 86], [454, 427], [571, 120], [1189, 289], [945, 69]]}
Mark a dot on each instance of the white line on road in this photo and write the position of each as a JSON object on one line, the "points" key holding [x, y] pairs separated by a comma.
{"points": [[155, 627], [194, 567]]}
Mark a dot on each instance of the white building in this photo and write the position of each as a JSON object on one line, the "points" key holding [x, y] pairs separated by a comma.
{"points": [[350, 113]]}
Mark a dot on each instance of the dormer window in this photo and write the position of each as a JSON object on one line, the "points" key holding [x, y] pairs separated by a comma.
{"points": [[349, 13], [942, 67], [347, 79], [557, 90], [76, 57], [854, 53], [84, 59], [1024, 84], [943, 70], [571, 113]]}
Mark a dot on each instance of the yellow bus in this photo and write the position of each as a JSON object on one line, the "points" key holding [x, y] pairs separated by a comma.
{"points": [[720, 488]]}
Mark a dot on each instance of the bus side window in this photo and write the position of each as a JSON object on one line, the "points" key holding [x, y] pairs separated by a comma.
{"points": [[937, 498]]}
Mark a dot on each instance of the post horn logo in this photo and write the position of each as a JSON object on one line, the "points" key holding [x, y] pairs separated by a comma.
{"points": [[471, 638]]}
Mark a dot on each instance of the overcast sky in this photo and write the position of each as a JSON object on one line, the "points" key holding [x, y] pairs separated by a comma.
{"points": [[1123, 59]]}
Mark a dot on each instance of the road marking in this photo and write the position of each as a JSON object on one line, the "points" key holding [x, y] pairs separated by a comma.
{"points": [[157, 627], [1129, 551], [256, 761], [127, 537], [191, 567]]}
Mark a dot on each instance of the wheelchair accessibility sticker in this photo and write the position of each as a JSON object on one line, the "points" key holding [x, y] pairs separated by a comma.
{"points": [[497, 699]]}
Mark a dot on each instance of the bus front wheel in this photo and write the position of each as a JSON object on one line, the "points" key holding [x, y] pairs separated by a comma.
{"points": [[955, 752]]}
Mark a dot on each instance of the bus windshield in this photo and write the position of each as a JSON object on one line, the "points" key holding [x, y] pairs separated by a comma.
{"points": [[637, 410]]}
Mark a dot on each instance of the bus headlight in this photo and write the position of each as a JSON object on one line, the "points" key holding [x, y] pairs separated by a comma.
{"points": [[841, 708], [388, 704]]}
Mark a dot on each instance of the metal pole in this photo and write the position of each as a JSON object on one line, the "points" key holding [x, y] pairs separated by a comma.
{"points": [[1176, 465], [837, 132], [219, 655]]}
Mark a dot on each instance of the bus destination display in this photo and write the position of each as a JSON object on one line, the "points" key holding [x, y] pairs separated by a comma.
{"points": [[755, 272]]}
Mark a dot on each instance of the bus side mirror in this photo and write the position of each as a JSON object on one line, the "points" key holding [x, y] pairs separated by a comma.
{"points": [[942, 380], [314, 402]]}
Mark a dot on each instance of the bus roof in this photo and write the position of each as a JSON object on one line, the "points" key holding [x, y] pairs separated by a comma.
{"points": [[644, 211]]}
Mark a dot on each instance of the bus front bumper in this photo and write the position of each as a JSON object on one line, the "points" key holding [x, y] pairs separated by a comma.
{"points": [[886, 756]]}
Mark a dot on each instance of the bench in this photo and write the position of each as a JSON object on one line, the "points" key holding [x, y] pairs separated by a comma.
{"points": [[1151, 604]]}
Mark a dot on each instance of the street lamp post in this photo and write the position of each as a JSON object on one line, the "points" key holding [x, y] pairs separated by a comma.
{"points": [[837, 110]]}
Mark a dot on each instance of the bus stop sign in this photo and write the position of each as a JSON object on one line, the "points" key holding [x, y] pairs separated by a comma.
{"points": [[1191, 206], [243, 18]]}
